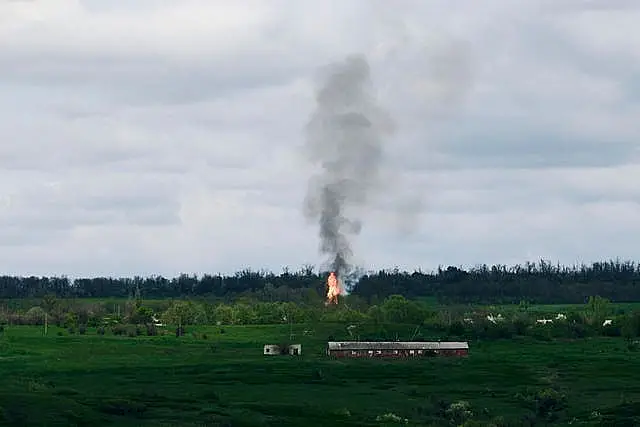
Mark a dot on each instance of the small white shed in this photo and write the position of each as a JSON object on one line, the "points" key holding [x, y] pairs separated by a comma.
{"points": [[295, 349], [274, 349], [271, 349]]}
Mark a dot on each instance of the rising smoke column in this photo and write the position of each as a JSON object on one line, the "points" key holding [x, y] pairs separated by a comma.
{"points": [[344, 139]]}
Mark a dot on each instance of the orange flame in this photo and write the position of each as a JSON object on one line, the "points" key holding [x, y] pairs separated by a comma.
{"points": [[333, 289]]}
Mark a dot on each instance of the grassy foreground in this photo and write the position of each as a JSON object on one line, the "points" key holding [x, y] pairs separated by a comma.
{"points": [[223, 379]]}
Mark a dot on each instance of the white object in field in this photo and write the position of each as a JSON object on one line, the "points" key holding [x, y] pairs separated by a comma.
{"points": [[495, 319], [271, 349], [295, 349], [276, 350]]}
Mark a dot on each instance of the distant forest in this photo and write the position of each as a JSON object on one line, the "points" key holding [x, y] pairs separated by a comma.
{"points": [[541, 282]]}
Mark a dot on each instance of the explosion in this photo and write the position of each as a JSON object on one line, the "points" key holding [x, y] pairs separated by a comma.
{"points": [[333, 289]]}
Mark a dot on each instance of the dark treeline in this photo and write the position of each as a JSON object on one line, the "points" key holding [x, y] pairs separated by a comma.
{"points": [[541, 282]]}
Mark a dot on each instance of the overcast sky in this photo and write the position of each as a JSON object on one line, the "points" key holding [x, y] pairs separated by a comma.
{"points": [[159, 137]]}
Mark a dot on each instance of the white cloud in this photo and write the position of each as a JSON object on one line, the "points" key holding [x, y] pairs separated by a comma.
{"points": [[161, 137]]}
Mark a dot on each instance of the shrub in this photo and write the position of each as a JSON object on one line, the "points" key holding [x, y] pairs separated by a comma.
{"points": [[391, 418], [35, 316], [71, 319], [123, 407], [82, 329], [459, 412], [578, 330], [457, 329], [100, 330], [611, 330], [317, 375], [545, 403], [151, 330], [521, 325], [119, 329], [142, 315]]}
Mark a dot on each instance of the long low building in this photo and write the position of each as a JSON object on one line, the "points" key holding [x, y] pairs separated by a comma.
{"points": [[396, 349]]}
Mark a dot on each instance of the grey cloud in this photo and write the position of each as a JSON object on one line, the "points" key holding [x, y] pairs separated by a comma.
{"points": [[523, 148], [15, 236], [508, 147], [151, 80], [68, 204], [582, 5], [492, 192]]}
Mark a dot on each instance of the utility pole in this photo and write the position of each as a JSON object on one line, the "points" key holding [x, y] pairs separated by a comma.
{"points": [[291, 328]]}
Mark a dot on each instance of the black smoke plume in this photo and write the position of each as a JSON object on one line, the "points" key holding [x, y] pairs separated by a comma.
{"points": [[345, 137]]}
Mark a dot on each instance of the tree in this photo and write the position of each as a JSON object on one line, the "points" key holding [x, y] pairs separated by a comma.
{"points": [[598, 308], [183, 313], [71, 320], [48, 303], [398, 309], [225, 314], [141, 315], [245, 314], [631, 327], [35, 315]]}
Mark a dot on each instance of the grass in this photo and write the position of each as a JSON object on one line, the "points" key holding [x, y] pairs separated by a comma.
{"points": [[551, 309], [225, 380]]}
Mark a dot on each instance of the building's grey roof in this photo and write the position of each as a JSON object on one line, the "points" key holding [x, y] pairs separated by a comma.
{"points": [[278, 346], [393, 345]]}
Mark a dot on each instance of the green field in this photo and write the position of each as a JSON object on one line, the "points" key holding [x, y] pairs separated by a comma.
{"points": [[220, 377]]}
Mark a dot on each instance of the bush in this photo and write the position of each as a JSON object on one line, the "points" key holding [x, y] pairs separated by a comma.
{"points": [[35, 316], [545, 403], [101, 330], [521, 325], [71, 330], [151, 330], [123, 407], [119, 329], [459, 412], [611, 330], [317, 375], [82, 329], [578, 330], [457, 329]]}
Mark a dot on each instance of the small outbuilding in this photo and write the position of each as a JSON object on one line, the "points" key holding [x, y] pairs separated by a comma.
{"points": [[276, 350], [271, 349], [396, 349]]}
